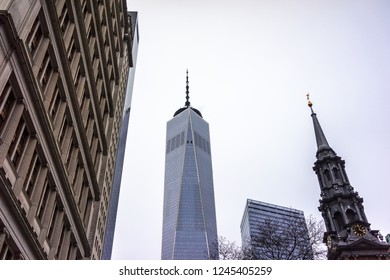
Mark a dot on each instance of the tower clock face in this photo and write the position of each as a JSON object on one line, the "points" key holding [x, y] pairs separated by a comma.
{"points": [[359, 230]]}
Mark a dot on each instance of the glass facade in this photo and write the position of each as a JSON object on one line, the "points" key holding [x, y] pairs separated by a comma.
{"points": [[288, 223], [189, 220]]}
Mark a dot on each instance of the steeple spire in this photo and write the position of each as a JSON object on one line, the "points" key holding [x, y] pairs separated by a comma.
{"points": [[348, 233], [187, 104], [322, 143]]}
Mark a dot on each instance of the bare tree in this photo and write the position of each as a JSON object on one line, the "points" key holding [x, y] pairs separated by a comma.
{"points": [[286, 239], [229, 250], [316, 231]]}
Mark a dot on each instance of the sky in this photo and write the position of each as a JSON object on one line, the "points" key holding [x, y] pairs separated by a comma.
{"points": [[251, 64]]}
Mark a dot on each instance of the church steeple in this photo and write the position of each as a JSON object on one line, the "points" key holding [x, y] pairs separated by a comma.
{"points": [[322, 143], [187, 104], [348, 234]]}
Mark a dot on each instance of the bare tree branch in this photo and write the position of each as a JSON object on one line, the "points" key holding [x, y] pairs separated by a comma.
{"points": [[286, 239]]}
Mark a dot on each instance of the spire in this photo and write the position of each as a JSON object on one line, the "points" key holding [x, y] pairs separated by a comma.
{"points": [[187, 104], [322, 143]]}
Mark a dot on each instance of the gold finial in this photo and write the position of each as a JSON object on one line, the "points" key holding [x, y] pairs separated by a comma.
{"points": [[308, 100]]}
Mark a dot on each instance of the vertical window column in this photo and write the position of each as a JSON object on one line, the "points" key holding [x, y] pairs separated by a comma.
{"points": [[50, 90], [25, 166], [19, 143], [59, 117], [72, 163], [7, 103], [9, 131], [45, 209], [37, 193], [39, 58], [83, 199], [78, 183], [72, 254], [87, 212], [65, 244], [55, 229]]}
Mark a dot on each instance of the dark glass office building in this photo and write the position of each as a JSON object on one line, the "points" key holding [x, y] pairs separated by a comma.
{"points": [[275, 232], [189, 219]]}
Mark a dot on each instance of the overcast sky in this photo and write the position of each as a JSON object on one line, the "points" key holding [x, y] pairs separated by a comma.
{"points": [[251, 64]]}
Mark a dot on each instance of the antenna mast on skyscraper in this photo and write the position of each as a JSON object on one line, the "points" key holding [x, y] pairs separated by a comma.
{"points": [[187, 104]]}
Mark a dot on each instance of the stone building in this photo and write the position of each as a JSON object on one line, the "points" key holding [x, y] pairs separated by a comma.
{"points": [[64, 68], [348, 232]]}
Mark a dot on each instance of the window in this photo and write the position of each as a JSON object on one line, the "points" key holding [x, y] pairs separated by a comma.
{"points": [[88, 209], [78, 75], [64, 19], [18, 143], [63, 131], [339, 221], [53, 222], [35, 36], [32, 175], [45, 70], [7, 102], [168, 146], [72, 153], [61, 241], [71, 50], [44, 200], [6, 252], [55, 104], [78, 171], [84, 9], [327, 175], [336, 173], [177, 141], [182, 138], [202, 143], [351, 215]]}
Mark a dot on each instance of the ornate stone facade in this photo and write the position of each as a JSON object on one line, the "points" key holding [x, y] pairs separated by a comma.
{"points": [[348, 233], [64, 67]]}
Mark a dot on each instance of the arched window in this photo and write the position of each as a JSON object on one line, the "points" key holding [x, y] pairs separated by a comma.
{"points": [[336, 173], [351, 215], [327, 176], [339, 221]]}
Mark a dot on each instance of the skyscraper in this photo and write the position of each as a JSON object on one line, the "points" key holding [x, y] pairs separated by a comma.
{"points": [[189, 219], [63, 78], [348, 233], [273, 232]]}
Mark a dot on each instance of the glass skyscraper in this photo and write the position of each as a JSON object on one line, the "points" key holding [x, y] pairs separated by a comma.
{"points": [[189, 219], [284, 228]]}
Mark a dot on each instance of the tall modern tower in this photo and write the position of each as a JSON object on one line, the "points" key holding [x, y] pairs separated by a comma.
{"points": [[348, 234], [189, 219]]}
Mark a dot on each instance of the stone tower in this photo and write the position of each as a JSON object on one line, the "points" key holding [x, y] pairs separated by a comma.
{"points": [[348, 234]]}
